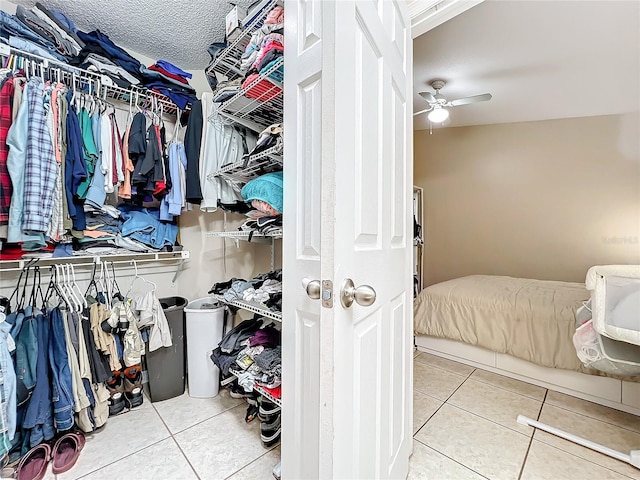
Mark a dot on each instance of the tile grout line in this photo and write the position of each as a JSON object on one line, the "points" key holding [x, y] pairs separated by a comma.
{"points": [[508, 389], [567, 409], [195, 472], [452, 459], [119, 459], [253, 461], [449, 371], [582, 459], [526, 455], [185, 457], [205, 420], [443, 402]]}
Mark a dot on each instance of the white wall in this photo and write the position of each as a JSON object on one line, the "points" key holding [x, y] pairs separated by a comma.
{"points": [[543, 200]]}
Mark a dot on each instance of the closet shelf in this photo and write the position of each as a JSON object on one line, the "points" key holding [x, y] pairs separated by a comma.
{"points": [[251, 307], [86, 79], [269, 160], [241, 235], [266, 108], [89, 260], [267, 395], [227, 62]]}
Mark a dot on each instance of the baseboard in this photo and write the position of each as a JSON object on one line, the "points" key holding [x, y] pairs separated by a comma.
{"points": [[610, 392]]}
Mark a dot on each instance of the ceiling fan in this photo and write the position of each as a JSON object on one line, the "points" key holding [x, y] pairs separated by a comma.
{"points": [[437, 102]]}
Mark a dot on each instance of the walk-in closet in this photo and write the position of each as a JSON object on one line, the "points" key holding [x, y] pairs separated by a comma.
{"points": [[198, 265]]}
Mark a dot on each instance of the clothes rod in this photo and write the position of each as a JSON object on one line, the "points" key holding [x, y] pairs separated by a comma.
{"points": [[96, 259], [89, 76], [633, 458]]}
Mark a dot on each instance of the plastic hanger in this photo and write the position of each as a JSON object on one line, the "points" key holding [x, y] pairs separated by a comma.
{"points": [[75, 288], [60, 287]]}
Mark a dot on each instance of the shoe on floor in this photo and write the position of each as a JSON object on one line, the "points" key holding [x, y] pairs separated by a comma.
{"points": [[268, 408], [66, 451], [133, 386], [236, 391], [270, 438], [271, 425], [116, 394], [33, 465]]}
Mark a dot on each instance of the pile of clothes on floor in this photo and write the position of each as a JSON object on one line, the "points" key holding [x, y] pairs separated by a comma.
{"points": [[249, 359]]}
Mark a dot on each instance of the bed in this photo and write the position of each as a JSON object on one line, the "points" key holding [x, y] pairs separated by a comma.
{"points": [[530, 319], [522, 328]]}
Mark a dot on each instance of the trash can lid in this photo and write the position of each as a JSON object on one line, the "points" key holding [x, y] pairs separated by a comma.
{"points": [[173, 302]]}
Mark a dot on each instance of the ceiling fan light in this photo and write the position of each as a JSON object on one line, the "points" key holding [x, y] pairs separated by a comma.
{"points": [[438, 115]]}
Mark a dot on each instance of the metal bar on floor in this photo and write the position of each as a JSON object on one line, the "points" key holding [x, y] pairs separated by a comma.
{"points": [[633, 458]]}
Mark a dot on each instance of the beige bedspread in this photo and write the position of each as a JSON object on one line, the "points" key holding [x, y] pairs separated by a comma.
{"points": [[530, 319]]}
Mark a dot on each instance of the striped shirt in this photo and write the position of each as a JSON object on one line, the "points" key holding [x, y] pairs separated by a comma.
{"points": [[40, 166]]}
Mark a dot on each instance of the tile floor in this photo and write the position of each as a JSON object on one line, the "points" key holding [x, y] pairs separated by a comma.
{"points": [[464, 428]]}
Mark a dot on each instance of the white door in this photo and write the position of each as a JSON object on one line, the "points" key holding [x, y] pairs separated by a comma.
{"points": [[347, 371]]}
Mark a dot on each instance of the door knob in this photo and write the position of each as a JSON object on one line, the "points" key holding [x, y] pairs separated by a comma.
{"points": [[364, 295], [312, 288]]}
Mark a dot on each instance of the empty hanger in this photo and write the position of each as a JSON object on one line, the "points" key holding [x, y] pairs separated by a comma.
{"points": [[138, 276]]}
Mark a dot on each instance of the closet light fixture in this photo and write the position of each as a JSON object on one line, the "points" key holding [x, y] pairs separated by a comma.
{"points": [[438, 114]]}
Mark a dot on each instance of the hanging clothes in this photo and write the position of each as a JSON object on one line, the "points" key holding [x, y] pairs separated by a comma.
{"points": [[151, 314], [221, 144], [192, 144], [89, 151], [75, 168], [40, 168], [62, 389], [17, 141], [6, 119], [7, 388]]}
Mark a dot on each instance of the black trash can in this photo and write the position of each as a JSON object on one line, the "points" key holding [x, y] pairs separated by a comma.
{"points": [[166, 365]]}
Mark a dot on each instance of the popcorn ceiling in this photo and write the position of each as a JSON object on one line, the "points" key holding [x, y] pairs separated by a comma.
{"points": [[178, 31]]}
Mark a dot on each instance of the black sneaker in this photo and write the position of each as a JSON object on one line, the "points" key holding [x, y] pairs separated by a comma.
{"points": [[268, 408], [116, 394], [236, 391], [272, 425], [270, 438]]}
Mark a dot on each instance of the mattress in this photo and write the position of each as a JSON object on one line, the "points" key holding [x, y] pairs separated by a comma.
{"points": [[529, 319], [616, 301]]}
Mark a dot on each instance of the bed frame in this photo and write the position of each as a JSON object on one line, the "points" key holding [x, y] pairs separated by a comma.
{"points": [[607, 391]]}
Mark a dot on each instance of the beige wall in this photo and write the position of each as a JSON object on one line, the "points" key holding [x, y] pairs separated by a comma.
{"points": [[542, 200]]}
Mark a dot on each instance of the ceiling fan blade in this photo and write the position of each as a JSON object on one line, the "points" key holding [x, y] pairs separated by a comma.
{"points": [[428, 96], [474, 99], [422, 111]]}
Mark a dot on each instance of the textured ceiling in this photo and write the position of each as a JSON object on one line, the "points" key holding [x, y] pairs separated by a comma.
{"points": [[175, 30], [541, 60]]}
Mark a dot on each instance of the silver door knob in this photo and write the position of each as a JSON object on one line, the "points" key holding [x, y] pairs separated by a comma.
{"points": [[312, 288], [364, 295]]}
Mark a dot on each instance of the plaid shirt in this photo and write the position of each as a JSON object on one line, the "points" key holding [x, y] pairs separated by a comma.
{"points": [[6, 119], [41, 167]]}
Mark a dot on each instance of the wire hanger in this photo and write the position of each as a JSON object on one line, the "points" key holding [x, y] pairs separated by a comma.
{"points": [[115, 292], [53, 287], [138, 276], [92, 282]]}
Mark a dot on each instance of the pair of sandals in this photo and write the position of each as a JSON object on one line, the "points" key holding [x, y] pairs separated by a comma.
{"points": [[63, 456]]}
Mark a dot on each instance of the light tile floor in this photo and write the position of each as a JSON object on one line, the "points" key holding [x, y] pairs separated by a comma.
{"points": [[464, 428]]}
